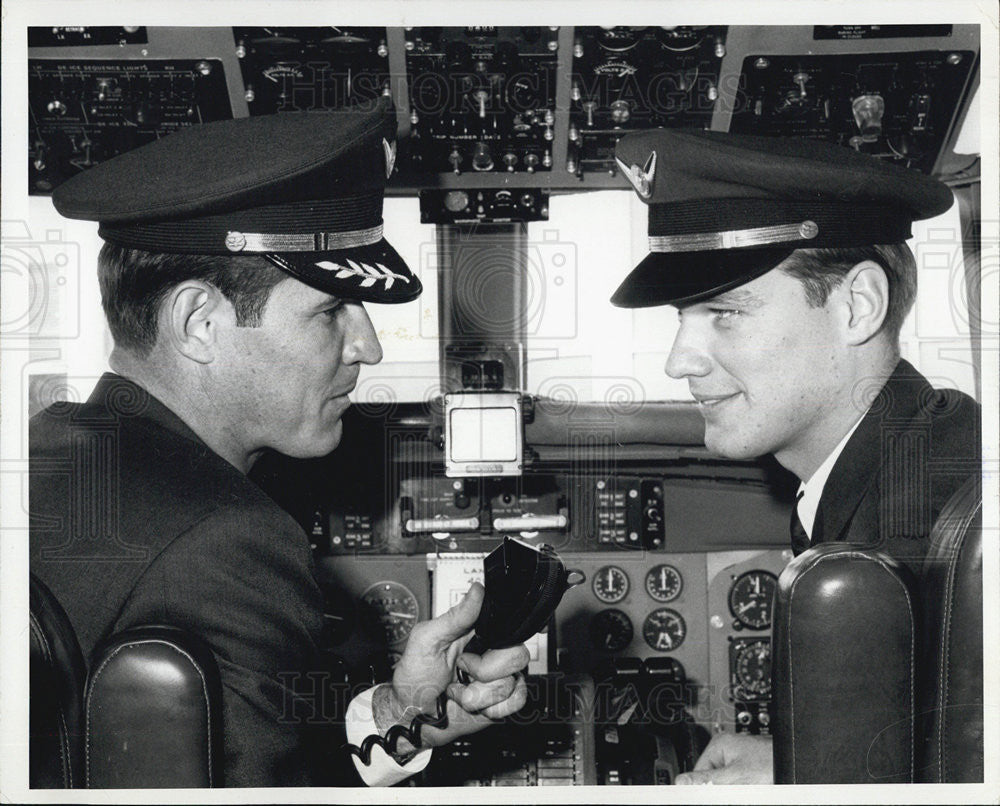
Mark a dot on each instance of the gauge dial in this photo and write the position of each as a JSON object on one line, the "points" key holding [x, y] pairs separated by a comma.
{"points": [[664, 629], [393, 607], [664, 583], [752, 669], [751, 597], [611, 630], [610, 584]]}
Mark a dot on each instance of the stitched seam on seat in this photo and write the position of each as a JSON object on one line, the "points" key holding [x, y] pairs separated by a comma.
{"points": [[791, 684], [67, 765], [944, 665], [204, 689]]}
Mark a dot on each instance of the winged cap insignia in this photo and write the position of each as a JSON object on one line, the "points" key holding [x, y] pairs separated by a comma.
{"points": [[640, 178], [369, 274], [390, 156]]}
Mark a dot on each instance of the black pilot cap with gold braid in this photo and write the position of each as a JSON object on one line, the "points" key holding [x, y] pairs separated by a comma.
{"points": [[302, 189], [725, 209]]}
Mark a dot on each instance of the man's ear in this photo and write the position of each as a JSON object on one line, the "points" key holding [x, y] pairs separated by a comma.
{"points": [[866, 290], [191, 316]]}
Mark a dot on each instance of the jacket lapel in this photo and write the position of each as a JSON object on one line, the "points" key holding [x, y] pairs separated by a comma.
{"points": [[849, 506]]}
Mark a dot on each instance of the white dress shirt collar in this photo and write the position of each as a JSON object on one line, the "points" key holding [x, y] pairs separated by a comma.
{"points": [[811, 491]]}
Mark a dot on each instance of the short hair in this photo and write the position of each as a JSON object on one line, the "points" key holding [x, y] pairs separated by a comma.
{"points": [[134, 282], [822, 270]]}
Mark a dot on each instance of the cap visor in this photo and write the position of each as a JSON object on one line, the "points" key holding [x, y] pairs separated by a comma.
{"points": [[680, 278], [374, 273]]}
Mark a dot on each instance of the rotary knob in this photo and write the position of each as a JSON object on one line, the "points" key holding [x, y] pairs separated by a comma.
{"points": [[482, 158]]}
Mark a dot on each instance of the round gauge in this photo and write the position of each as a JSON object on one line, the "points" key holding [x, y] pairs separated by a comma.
{"points": [[664, 629], [752, 670], [619, 38], [610, 584], [611, 630], [394, 608], [751, 597], [664, 583]]}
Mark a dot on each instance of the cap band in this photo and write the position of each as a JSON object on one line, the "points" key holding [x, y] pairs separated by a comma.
{"points": [[734, 239], [301, 242]]}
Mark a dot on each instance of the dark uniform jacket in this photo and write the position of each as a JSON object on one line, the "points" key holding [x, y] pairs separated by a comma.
{"points": [[135, 521], [912, 450]]}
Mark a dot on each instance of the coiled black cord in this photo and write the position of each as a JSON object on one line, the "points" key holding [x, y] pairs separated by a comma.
{"points": [[396, 732]]}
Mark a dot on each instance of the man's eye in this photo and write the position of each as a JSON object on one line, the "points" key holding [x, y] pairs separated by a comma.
{"points": [[724, 313], [333, 310]]}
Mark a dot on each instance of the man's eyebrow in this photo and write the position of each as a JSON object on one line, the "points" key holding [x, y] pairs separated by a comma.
{"points": [[323, 304], [737, 296]]}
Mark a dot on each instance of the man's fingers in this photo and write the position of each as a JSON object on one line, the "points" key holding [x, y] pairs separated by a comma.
{"points": [[690, 778], [514, 703], [714, 755], [457, 621], [476, 696], [495, 663]]}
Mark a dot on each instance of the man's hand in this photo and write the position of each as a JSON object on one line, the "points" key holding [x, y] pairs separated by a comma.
{"points": [[733, 759], [427, 668]]}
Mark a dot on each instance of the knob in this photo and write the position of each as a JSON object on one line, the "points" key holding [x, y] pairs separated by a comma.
{"points": [[510, 160], [574, 133], [574, 93], [249, 95], [548, 133], [589, 107], [56, 107], [456, 200], [571, 166], [527, 200], [868, 111], [547, 159], [455, 158], [414, 118], [482, 159], [578, 49], [530, 162], [763, 718], [620, 112], [720, 48], [744, 718], [382, 49], [549, 117]]}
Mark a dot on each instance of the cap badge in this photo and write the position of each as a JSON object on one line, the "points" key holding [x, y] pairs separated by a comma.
{"points": [[640, 178], [235, 241], [370, 274], [390, 156]]}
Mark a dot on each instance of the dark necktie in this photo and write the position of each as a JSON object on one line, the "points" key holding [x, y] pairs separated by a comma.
{"points": [[800, 540]]}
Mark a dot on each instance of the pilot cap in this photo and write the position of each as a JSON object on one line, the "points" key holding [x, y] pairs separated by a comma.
{"points": [[725, 209], [302, 189]]}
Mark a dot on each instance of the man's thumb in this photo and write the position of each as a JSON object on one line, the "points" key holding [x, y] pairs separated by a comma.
{"points": [[459, 619]]}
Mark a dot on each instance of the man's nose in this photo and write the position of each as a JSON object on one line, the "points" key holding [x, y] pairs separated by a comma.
{"points": [[361, 344], [688, 356]]}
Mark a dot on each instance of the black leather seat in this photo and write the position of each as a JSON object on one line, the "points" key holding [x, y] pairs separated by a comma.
{"points": [[56, 716], [878, 676], [149, 714]]}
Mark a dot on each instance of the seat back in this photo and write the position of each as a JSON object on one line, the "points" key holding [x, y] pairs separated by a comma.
{"points": [[57, 672], [153, 712], [878, 677], [951, 749], [148, 715], [844, 668]]}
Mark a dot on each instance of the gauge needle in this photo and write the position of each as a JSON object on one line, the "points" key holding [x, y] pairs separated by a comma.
{"points": [[746, 606], [333, 617], [400, 615]]}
